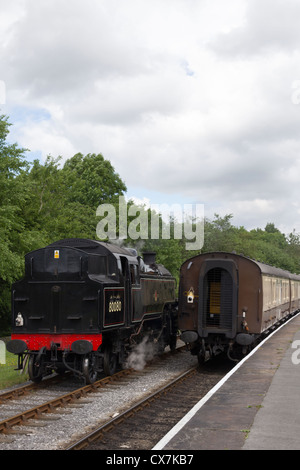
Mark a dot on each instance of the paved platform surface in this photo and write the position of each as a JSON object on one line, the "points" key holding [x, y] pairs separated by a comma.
{"points": [[256, 407]]}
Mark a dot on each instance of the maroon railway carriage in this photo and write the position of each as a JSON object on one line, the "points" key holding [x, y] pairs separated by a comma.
{"points": [[226, 302]]}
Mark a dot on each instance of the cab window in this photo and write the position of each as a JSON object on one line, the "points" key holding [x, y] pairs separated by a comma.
{"points": [[134, 274]]}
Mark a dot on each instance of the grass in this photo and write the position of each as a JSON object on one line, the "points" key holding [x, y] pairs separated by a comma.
{"points": [[246, 432], [9, 376]]}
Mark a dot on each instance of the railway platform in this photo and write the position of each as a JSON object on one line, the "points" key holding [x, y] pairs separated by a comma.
{"points": [[256, 406]]}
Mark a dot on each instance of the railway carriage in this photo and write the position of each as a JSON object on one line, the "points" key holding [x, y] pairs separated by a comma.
{"points": [[227, 301], [83, 304]]}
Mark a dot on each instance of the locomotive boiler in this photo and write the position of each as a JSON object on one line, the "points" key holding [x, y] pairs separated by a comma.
{"points": [[227, 301], [84, 304]]}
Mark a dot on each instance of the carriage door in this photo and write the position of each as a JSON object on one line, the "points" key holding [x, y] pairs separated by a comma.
{"points": [[218, 294]]}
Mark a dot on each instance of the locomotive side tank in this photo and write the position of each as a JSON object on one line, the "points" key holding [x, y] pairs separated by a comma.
{"points": [[83, 304], [226, 302]]}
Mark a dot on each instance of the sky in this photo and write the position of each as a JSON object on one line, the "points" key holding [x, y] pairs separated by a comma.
{"points": [[192, 101]]}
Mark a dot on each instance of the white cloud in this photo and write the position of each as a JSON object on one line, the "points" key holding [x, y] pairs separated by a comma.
{"points": [[193, 100], [270, 26]]}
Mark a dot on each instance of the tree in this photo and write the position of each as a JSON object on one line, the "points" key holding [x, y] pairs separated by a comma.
{"points": [[12, 198], [293, 249], [270, 228], [91, 180], [51, 212], [219, 234], [64, 200]]}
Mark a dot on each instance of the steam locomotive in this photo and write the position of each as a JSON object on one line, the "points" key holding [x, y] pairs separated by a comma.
{"points": [[84, 304]]}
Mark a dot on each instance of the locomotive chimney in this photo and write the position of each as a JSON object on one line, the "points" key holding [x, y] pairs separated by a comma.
{"points": [[149, 257]]}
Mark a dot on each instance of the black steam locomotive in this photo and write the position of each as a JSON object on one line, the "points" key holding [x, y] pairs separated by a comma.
{"points": [[83, 304]]}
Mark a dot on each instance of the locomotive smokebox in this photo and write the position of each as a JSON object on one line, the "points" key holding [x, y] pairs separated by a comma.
{"points": [[149, 257]]}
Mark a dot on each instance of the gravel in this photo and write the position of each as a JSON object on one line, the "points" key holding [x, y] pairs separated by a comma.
{"points": [[98, 407]]}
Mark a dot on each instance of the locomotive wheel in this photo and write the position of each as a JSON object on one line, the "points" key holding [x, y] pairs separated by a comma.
{"points": [[109, 362], [89, 373], [35, 369]]}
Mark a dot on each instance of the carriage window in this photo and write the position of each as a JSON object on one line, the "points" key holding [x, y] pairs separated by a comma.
{"points": [[267, 289]]}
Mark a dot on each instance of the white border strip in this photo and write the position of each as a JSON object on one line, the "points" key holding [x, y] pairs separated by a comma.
{"points": [[166, 439]]}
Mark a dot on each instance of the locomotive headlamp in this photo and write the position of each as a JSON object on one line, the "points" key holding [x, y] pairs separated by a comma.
{"points": [[244, 311], [190, 296], [19, 320]]}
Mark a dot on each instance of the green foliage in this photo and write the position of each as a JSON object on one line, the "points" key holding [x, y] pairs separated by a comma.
{"points": [[269, 246], [91, 180], [12, 198], [9, 376]]}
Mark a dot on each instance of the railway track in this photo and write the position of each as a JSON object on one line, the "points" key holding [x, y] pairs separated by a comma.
{"points": [[138, 423], [141, 426], [65, 411], [23, 390], [53, 406]]}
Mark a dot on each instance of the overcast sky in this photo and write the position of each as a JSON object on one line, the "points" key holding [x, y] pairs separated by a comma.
{"points": [[192, 101]]}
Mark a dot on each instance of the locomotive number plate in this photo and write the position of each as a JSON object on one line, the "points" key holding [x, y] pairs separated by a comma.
{"points": [[113, 307]]}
